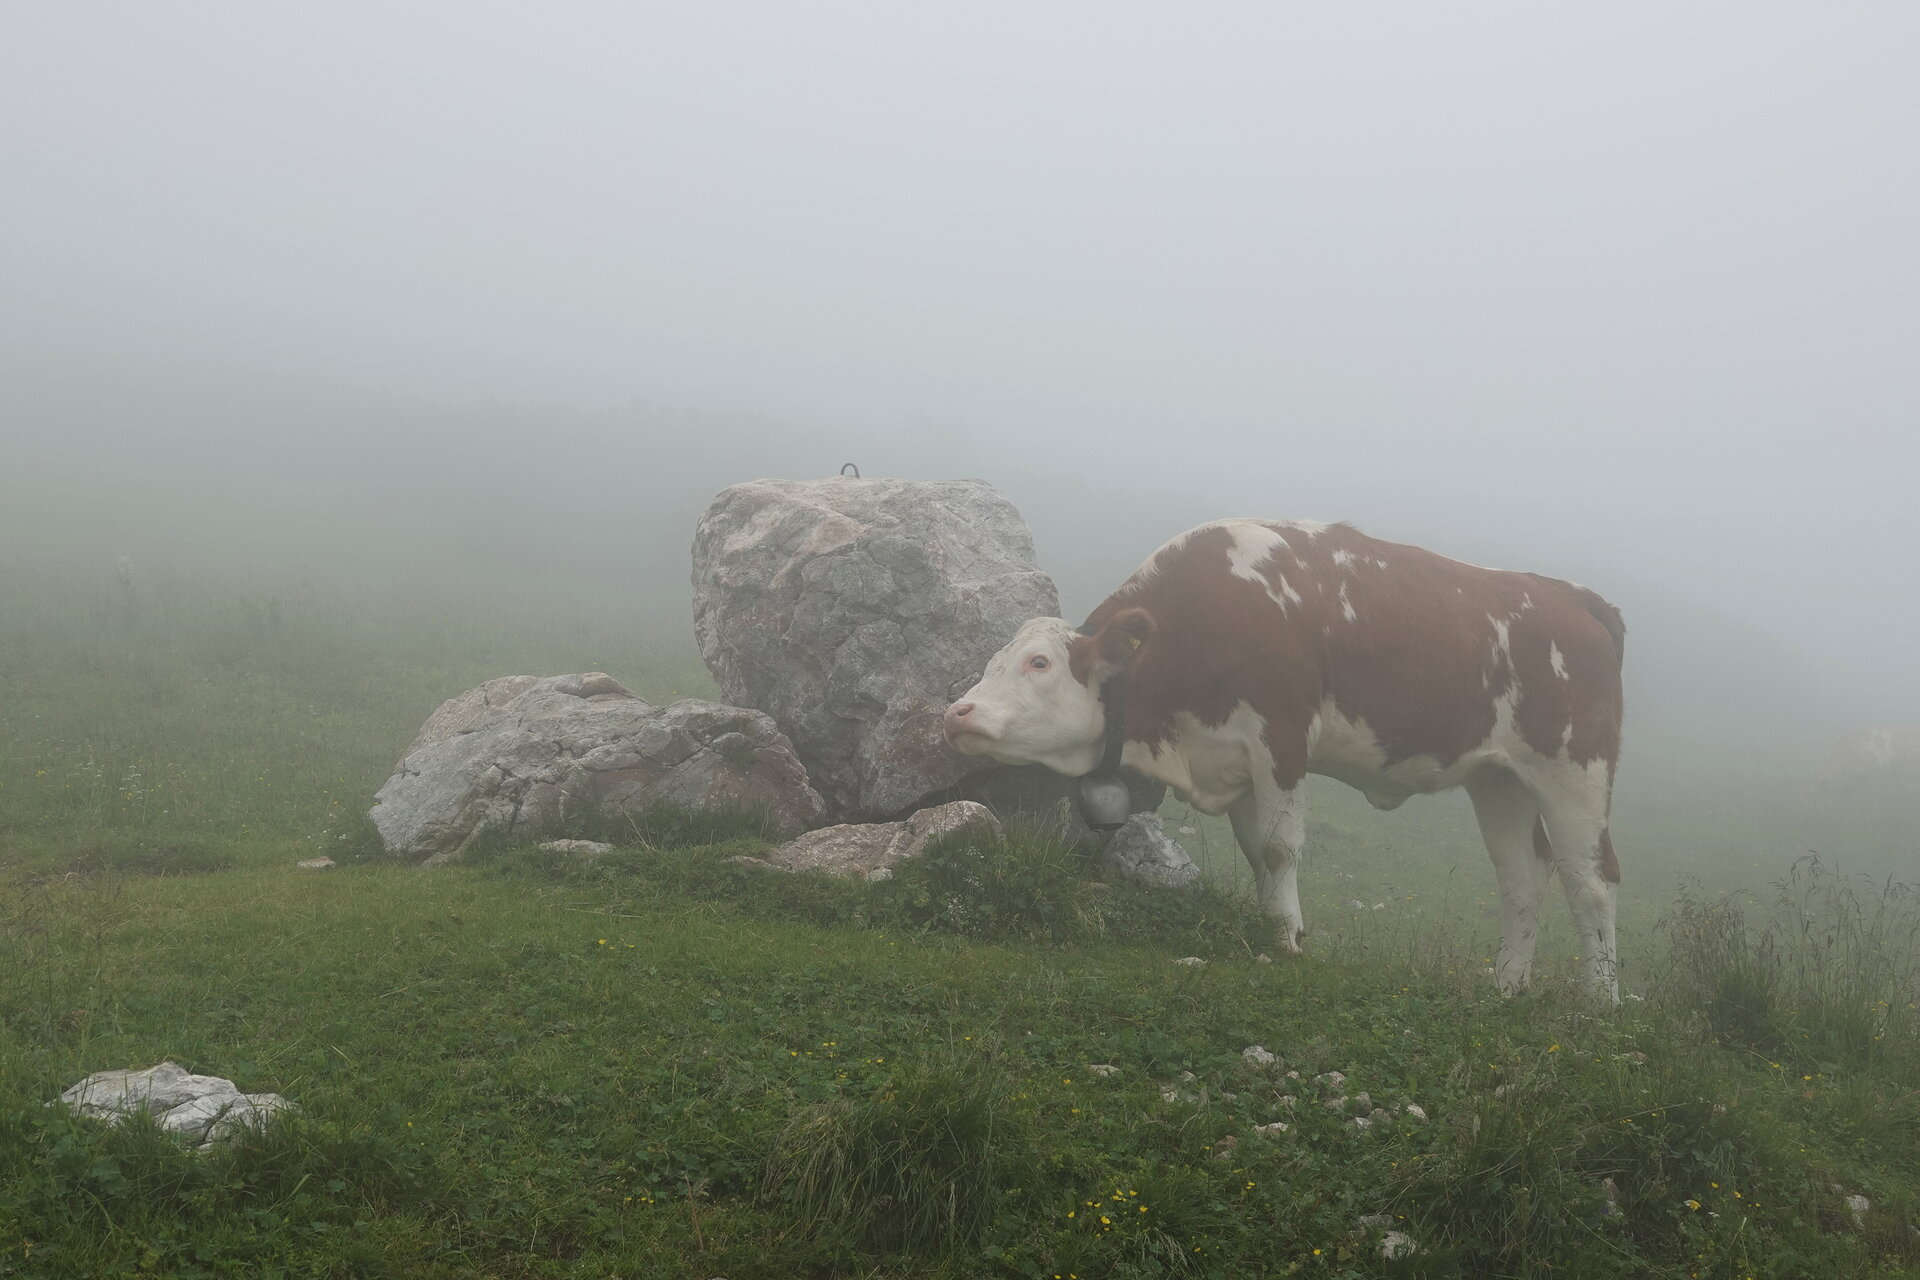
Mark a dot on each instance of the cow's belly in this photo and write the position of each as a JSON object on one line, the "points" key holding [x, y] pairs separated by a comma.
{"points": [[1212, 766], [1208, 766], [1347, 750]]}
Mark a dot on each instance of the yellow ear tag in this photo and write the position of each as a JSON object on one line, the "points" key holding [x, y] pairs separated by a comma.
{"points": [[1133, 643]]}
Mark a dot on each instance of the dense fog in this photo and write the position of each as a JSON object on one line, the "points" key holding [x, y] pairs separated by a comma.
{"points": [[482, 304]]}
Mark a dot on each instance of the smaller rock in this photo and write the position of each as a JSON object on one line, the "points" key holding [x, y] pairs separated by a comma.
{"points": [[1336, 1104], [1415, 1110], [1258, 1056], [1172, 1093], [1332, 1079], [1191, 962], [1362, 1103], [1363, 1123], [1223, 1149], [1858, 1206], [1610, 1191], [1395, 1245], [1188, 831], [1380, 1115], [317, 864], [1378, 906], [1356, 904], [583, 848], [1263, 958], [1273, 1130], [1143, 852], [1103, 1069], [879, 875]]}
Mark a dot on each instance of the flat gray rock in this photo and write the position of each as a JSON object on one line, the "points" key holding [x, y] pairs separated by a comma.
{"points": [[516, 757], [873, 847], [204, 1109], [847, 609], [577, 848]]}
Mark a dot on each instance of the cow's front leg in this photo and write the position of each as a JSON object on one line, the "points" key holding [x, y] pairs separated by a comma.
{"points": [[1270, 825]]}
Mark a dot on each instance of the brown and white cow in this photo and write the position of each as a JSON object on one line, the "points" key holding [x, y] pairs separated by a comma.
{"points": [[1254, 652]]}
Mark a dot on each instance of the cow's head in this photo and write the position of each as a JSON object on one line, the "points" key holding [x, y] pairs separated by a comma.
{"points": [[1039, 700]]}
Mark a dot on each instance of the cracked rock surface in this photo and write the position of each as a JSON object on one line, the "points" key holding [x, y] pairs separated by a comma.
{"points": [[847, 609], [864, 848], [1142, 851], [517, 756], [206, 1109]]}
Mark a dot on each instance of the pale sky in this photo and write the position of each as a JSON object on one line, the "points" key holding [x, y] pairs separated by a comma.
{"points": [[1625, 293]]}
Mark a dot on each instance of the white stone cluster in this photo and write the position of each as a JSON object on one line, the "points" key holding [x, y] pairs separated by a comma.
{"points": [[206, 1109]]}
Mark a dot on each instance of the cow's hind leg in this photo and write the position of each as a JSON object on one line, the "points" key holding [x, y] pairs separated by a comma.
{"points": [[1271, 827], [1574, 802], [1509, 819]]}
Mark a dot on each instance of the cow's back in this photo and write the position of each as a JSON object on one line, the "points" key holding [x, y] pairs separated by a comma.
{"points": [[1431, 654]]}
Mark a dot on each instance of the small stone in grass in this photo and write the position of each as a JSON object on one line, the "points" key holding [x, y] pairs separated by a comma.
{"points": [[1395, 1245], [584, 848]]}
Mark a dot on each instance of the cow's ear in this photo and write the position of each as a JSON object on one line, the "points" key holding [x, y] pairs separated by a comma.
{"points": [[1116, 645]]}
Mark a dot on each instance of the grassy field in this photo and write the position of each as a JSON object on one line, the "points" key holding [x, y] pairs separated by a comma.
{"points": [[661, 1064]]}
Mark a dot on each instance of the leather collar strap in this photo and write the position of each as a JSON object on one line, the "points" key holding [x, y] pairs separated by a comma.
{"points": [[1104, 798]]}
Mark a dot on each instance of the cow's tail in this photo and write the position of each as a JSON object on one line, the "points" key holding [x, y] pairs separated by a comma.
{"points": [[1607, 615]]}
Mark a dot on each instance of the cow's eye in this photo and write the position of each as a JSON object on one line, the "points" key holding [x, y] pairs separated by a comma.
{"points": [[1039, 662]]}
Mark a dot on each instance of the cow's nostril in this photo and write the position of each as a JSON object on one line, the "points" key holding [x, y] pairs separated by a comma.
{"points": [[960, 710]]}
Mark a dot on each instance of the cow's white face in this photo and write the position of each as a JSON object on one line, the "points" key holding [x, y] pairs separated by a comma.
{"points": [[1028, 708]]}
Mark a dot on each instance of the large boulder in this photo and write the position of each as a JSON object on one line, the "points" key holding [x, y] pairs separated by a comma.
{"points": [[847, 609], [1872, 772], [517, 756]]}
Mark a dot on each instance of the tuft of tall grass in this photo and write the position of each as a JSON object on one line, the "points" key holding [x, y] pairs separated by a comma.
{"points": [[1016, 884], [917, 1164], [1829, 974]]}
